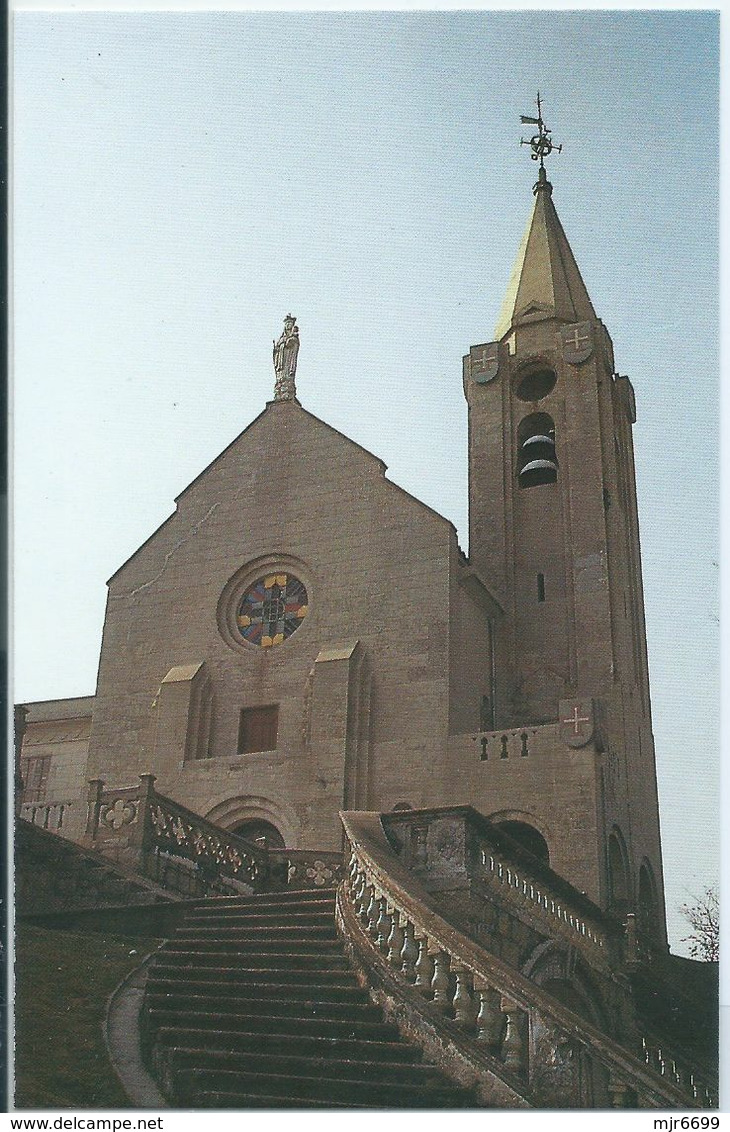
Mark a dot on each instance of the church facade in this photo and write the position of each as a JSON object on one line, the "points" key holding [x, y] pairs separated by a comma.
{"points": [[303, 637]]}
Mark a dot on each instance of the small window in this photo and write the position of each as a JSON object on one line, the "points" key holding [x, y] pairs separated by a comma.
{"points": [[486, 714], [35, 777], [540, 587], [257, 729], [535, 384]]}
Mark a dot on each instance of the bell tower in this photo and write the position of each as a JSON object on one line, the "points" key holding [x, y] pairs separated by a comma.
{"points": [[553, 528]]}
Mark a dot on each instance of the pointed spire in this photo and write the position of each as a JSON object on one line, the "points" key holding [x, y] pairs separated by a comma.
{"points": [[545, 282]]}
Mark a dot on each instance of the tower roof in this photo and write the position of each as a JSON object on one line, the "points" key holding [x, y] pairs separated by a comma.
{"points": [[545, 282]]}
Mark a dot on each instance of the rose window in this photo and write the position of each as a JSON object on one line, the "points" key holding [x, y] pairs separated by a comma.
{"points": [[271, 609]]}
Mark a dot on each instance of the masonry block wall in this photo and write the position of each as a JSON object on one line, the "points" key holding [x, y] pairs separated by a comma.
{"points": [[361, 688]]}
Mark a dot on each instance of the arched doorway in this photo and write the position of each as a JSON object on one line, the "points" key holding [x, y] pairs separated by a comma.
{"points": [[259, 832], [527, 837]]}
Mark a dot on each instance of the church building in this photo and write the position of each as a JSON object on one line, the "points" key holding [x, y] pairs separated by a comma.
{"points": [[303, 637]]}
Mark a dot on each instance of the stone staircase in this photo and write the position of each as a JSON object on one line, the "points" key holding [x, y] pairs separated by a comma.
{"points": [[252, 1004]]}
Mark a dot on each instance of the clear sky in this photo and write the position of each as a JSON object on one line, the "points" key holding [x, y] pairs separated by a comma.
{"points": [[182, 181]]}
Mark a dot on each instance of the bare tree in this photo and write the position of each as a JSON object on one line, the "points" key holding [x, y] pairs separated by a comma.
{"points": [[704, 919]]}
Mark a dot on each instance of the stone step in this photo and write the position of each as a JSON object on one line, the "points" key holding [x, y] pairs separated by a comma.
{"points": [[268, 1006], [253, 935], [286, 900], [272, 917], [244, 967], [356, 1068], [273, 960], [334, 1028], [188, 1080], [246, 1048], [277, 954], [170, 980], [221, 1099]]}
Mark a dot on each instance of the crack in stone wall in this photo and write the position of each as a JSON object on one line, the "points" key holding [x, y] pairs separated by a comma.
{"points": [[181, 542]]}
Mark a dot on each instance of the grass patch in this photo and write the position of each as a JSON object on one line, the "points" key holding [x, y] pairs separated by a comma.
{"points": [[62, 983]]}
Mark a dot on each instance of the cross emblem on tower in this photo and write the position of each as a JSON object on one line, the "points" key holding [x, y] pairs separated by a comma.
{"points": [[575, 339], [484, 362], [577, 344], [576, 722]]}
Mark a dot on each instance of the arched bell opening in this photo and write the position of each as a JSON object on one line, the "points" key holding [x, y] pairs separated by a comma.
{"points": [[258, 832], [537, 462], [527, 837], [618, 874], [648, 902]]}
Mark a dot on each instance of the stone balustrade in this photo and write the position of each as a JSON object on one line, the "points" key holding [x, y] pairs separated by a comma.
{"points": [[519, 883], [143, 829], [455, 847], [675, 1068], [180, 850], [46, 815], [549, 1054], [304, 868]]}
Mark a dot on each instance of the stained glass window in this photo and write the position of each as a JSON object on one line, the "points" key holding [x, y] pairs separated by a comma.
{"points": [[272, 609]]}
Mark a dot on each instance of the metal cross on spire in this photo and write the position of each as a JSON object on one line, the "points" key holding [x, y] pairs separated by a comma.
{"points": [[540, 143]]}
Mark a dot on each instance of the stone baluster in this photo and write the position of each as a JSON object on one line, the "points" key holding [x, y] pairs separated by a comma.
{"points": [[395, 940], [463, 1003], [424, 968], [372, 911], [358, 892], [382, 926], [513, 1046], [96, 789], [409, 953], [440, 982], [490, 1019], [367, 895]]}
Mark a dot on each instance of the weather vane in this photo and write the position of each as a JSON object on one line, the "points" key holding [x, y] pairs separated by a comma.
{"points": [[540, 143]]}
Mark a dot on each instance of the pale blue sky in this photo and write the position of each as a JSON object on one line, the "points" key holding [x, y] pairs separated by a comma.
{"points": [[182, 181]]}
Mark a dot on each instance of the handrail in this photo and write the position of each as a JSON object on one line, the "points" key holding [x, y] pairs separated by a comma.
{"points": [[482, 993]]}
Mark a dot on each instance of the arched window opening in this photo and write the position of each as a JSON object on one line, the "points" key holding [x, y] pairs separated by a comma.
{"points": [[527, 837], [259, 832], [537, 462], [648, 902], [402, 806], [618, 876]]}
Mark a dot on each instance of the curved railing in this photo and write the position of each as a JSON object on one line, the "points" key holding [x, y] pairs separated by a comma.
{"points": [[546, 1052]]}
